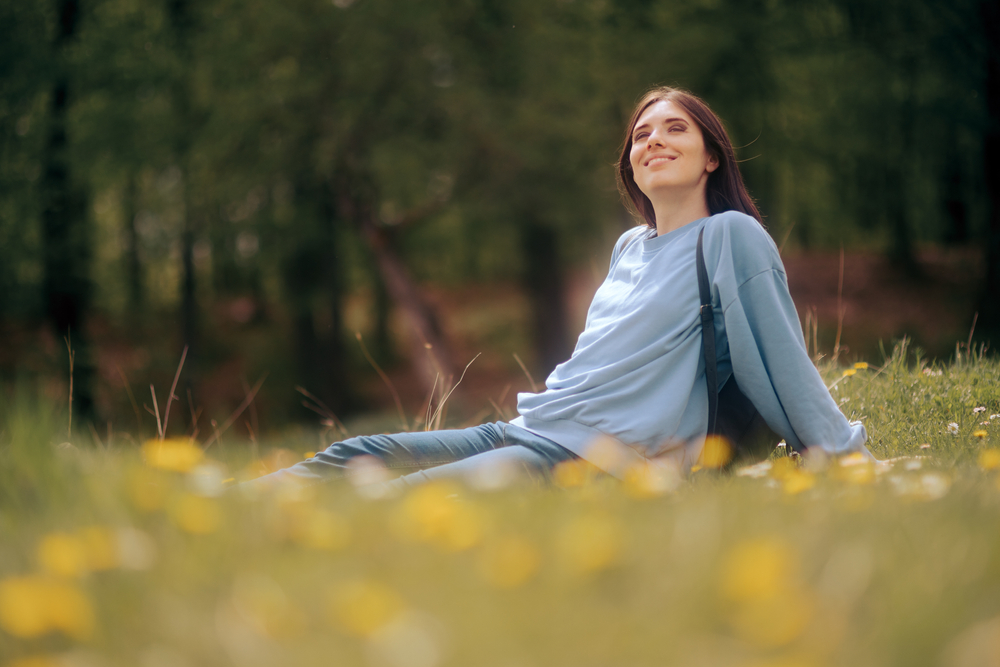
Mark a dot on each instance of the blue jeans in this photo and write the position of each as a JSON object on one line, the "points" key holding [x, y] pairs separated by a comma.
{"points": [[427, 455]]}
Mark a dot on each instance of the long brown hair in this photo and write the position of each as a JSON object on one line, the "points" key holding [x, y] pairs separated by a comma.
{"points": [[725, 190]]}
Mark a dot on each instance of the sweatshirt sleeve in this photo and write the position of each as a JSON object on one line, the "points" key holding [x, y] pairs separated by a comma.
{"points": [[772, 366]]}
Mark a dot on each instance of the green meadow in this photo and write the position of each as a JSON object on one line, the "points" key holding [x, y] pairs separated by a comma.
{"points": [[153, 554]]}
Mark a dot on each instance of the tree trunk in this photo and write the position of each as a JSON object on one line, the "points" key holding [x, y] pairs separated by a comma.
{"points": [[64, 226], [543, 281], [989, 306], [189, 304], [431, 353], [133, 265]]}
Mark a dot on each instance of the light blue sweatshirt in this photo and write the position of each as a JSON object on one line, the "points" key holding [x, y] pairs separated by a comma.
{"points": [[638, 372]]}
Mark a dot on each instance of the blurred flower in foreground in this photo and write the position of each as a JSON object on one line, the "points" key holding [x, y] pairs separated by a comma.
{"points": [[208, 479], [509, 561], [589, 543], [716, 452], [94, 549], [976, 646], [861, 365], [761, 577], [929, 486], [263, 604], [572, 473], [320, 529], [37, 661], [953, 428], [62, 555], [980, 433], [432, 513], [369, 475], [136, 549], [360, 608], [32, 606], [652, 478], [410, 639], [989, 459], [793, 479], [147, 489], [175, 454], [854, 468], [196, 514], [849, 372]]}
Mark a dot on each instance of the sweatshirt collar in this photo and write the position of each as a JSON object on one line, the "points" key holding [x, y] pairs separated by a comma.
{"points": [[654, 243]]}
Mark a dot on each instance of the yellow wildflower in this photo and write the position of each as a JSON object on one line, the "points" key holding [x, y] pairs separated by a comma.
{"points": [[861, 365], [849, 372], [756, 569], [308, 455], [36, 661], [716, 452], [62, 555], [31, 606], [775, 621], [431, 513], [589, 543], [175, 454], [572, 473], [798, 481], [101, 547], [196, 514], [783, 467], [980, 433], [509, 562], [761, 577], [989, 459], [361, 608]]}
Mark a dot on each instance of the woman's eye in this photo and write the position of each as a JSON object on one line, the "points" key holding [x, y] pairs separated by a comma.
{"points": [[677, 128]]}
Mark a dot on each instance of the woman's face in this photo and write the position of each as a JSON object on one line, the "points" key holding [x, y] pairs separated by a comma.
{"points": [[668, 151]]}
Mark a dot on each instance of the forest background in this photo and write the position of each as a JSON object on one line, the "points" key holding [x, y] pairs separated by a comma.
{"points": [[310, 193]]}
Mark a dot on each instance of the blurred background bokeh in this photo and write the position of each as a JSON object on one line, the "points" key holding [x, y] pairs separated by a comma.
{"points": [[339, 196]]}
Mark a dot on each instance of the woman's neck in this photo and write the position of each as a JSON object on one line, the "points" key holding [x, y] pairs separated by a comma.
{"points": [[673, 212]]}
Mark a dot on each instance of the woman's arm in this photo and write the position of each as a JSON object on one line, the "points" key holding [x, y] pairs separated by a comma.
{"points": [[767, 349], [772, 366]]}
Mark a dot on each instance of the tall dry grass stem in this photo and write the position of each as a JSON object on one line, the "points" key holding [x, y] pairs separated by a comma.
{"points": [[72, 357], [840, 308], [531, 380], [788, 233], [439, 413], [322, 410], [156, 408], [171, 397], [236, 413], [131, 398], [385, 379], [194, 416]]}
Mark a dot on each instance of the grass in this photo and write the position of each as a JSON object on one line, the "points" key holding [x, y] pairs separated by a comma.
{"points": [[108, 560]]}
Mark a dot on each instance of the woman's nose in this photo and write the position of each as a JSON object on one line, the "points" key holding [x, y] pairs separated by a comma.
{"points": [[654, 139]]}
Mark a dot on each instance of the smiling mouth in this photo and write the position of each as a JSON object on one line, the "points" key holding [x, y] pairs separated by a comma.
{"points": [[660, 159]]}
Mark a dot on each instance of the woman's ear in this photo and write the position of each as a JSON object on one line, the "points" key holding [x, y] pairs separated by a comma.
{"points": [[713, 163]]}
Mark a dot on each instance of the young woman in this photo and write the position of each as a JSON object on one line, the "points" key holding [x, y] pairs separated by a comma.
{"points": [[635, 386]]}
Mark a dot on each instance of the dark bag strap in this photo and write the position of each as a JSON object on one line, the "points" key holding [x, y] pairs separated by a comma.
{"points": [[708, 337]]}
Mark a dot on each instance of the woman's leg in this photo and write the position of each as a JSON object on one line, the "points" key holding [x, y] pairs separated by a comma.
{"points": [[445, 452]]}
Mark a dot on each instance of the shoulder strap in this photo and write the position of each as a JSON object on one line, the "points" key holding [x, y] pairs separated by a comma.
{"points": [[708, 337]]}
